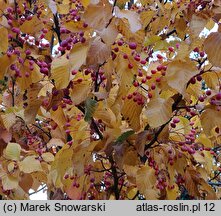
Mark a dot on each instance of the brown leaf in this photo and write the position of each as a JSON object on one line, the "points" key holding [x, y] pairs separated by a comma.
{"points": [[98, 53], [98, 15], [159, 111], [179, 73], [212, 46], [210, 118]]}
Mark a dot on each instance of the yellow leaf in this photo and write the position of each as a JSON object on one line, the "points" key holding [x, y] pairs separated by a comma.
{"points": [[30, 164], [8, 119], [212, 46], [179, 73], [63, 160], [203, 139], [183, 127], [60, 72], [9, 182], [106, 114], [131, 112], [48, 157], [212, 79], [131, 193], [146, 17], [146, 181], [55, 142], [11, 166], [158, 111], [58, 116], [80, 92], [12, 151], [34, 103], [199, 158], [85, 3], [152, 39], [4, 40], [63, 8], [78, 56], [172, 194], [210, 118], [5, 62], [32, 26]]}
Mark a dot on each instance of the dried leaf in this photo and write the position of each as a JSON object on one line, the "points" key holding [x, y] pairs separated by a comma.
{"points": [[98, 15], [98, 53], [132, 17], [159, 111], [212, 46], [179, 73], [210, 118]]}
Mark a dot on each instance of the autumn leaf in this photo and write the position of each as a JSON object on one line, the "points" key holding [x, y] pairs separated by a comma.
{"points": [[98, 53], [78, 56], [210, 118], [90, 106], [145, 181], [159, 111], [132, 17], [131, 112], [60, 72], [4, 40], [179, 73], [12, 151], [30, 164], [212, 48], [98, 15]]}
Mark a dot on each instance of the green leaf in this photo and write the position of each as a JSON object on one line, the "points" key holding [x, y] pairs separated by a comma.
{"points": [[124, 136], [89, 109]]}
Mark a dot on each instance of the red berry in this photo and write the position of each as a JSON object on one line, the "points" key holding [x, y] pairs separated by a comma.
{"points": [[196, 49], [171, 49], [130, 66], [150, 95], [129, 96], [55, 107], [199, 78], [176, 120], [158, 79], [218, 96], [136, 84], [120, 43], [159, 56], [132, 45], [153, 86], [217, 130], [125, 56], [202, 54], [153, 71]]}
